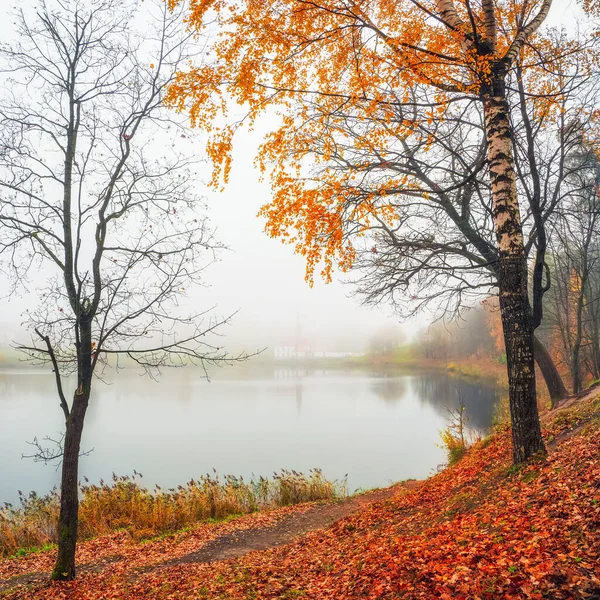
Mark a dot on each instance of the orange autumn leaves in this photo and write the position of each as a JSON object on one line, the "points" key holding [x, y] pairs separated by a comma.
{"points": [[323, 66]]}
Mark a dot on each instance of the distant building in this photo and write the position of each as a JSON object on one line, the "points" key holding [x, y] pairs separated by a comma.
{"points": [[337, 354], [300, 350], [304, 352], [284, 352]]}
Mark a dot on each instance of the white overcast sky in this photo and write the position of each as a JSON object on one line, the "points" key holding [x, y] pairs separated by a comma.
{"points": [[261, 276]]}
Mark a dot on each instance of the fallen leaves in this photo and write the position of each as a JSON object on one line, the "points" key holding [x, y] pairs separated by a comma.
{"points": [[482, 529]]}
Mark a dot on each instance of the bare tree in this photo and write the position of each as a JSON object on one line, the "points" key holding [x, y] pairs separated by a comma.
{"points": [[95, 199], [576, 264]]}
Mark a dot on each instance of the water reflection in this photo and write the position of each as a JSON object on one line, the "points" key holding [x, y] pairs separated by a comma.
{"points": [[444, 391], [377, 427], [298, 397], [390, 389]]}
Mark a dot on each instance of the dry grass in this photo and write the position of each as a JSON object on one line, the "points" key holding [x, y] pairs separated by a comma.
{"points": [[126, 504]]}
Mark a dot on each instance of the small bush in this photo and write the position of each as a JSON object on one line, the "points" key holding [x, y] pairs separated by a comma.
{"points": [[126, 504], [456, 438], [454, 445]]}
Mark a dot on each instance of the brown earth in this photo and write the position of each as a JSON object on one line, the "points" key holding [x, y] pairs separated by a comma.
{"points": [[295, 525], [238, 543]]}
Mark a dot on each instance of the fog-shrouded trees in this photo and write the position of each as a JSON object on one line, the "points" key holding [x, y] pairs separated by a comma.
{"points": [[386, 340], [574, 314], [404, 62], [467, 337], [96, 201]]}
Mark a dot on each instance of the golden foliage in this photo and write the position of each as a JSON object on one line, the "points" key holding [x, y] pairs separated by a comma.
{"points": [[317, 63]]}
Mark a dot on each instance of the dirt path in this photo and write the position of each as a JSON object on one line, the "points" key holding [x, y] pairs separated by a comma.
{"points": [[575, 398], [568, 402], [241, 542], [295, 525]]}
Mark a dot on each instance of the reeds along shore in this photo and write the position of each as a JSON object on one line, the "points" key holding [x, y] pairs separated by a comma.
{"points": [[125, 504]]}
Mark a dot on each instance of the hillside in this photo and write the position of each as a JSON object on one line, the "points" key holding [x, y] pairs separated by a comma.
{"points": [[481, 529]]}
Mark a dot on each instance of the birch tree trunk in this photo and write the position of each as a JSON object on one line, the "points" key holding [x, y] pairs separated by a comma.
{"points": [[515, 310]]}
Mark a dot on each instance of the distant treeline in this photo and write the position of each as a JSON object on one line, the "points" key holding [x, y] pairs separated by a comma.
{"points": [[570, 328]]}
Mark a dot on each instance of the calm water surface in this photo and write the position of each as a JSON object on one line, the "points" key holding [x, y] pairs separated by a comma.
{"points": [[377, 428]]}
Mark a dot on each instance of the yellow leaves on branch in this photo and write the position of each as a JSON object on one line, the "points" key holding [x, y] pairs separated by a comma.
{"points": [[321, 236], [332, 65], [219, 150]]}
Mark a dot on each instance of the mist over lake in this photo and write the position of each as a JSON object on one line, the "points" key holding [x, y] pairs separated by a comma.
{"points": [[376, 427]]}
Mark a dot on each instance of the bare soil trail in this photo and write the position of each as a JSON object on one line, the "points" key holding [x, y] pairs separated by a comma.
{"points": [[243, 541], [295, 525]]}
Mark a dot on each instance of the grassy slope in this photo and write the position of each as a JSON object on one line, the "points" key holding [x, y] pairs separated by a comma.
{"points": [[482, 529]]}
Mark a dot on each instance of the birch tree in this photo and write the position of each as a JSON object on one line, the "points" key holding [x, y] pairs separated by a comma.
{"points": [[367, 58]]}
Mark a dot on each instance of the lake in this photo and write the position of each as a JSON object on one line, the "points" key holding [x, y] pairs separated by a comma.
{"points": [[376, 427]]}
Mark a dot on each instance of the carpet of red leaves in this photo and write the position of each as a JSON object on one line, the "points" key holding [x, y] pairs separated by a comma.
{"points": [[480, 530]]}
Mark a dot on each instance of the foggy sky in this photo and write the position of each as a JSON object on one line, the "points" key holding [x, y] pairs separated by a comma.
{"points": [[260, 276]]}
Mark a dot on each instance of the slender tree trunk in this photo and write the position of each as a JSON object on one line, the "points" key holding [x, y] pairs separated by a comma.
{"points": [[69, 492], [554, 382], [68, 519], [594, 334], [515, 310], [576, 370], [595, 348], [575, 366]]}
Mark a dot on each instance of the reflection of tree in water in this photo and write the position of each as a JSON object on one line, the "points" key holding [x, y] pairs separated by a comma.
{"points": [[298, 397], [389, 389], [443, 390]]}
